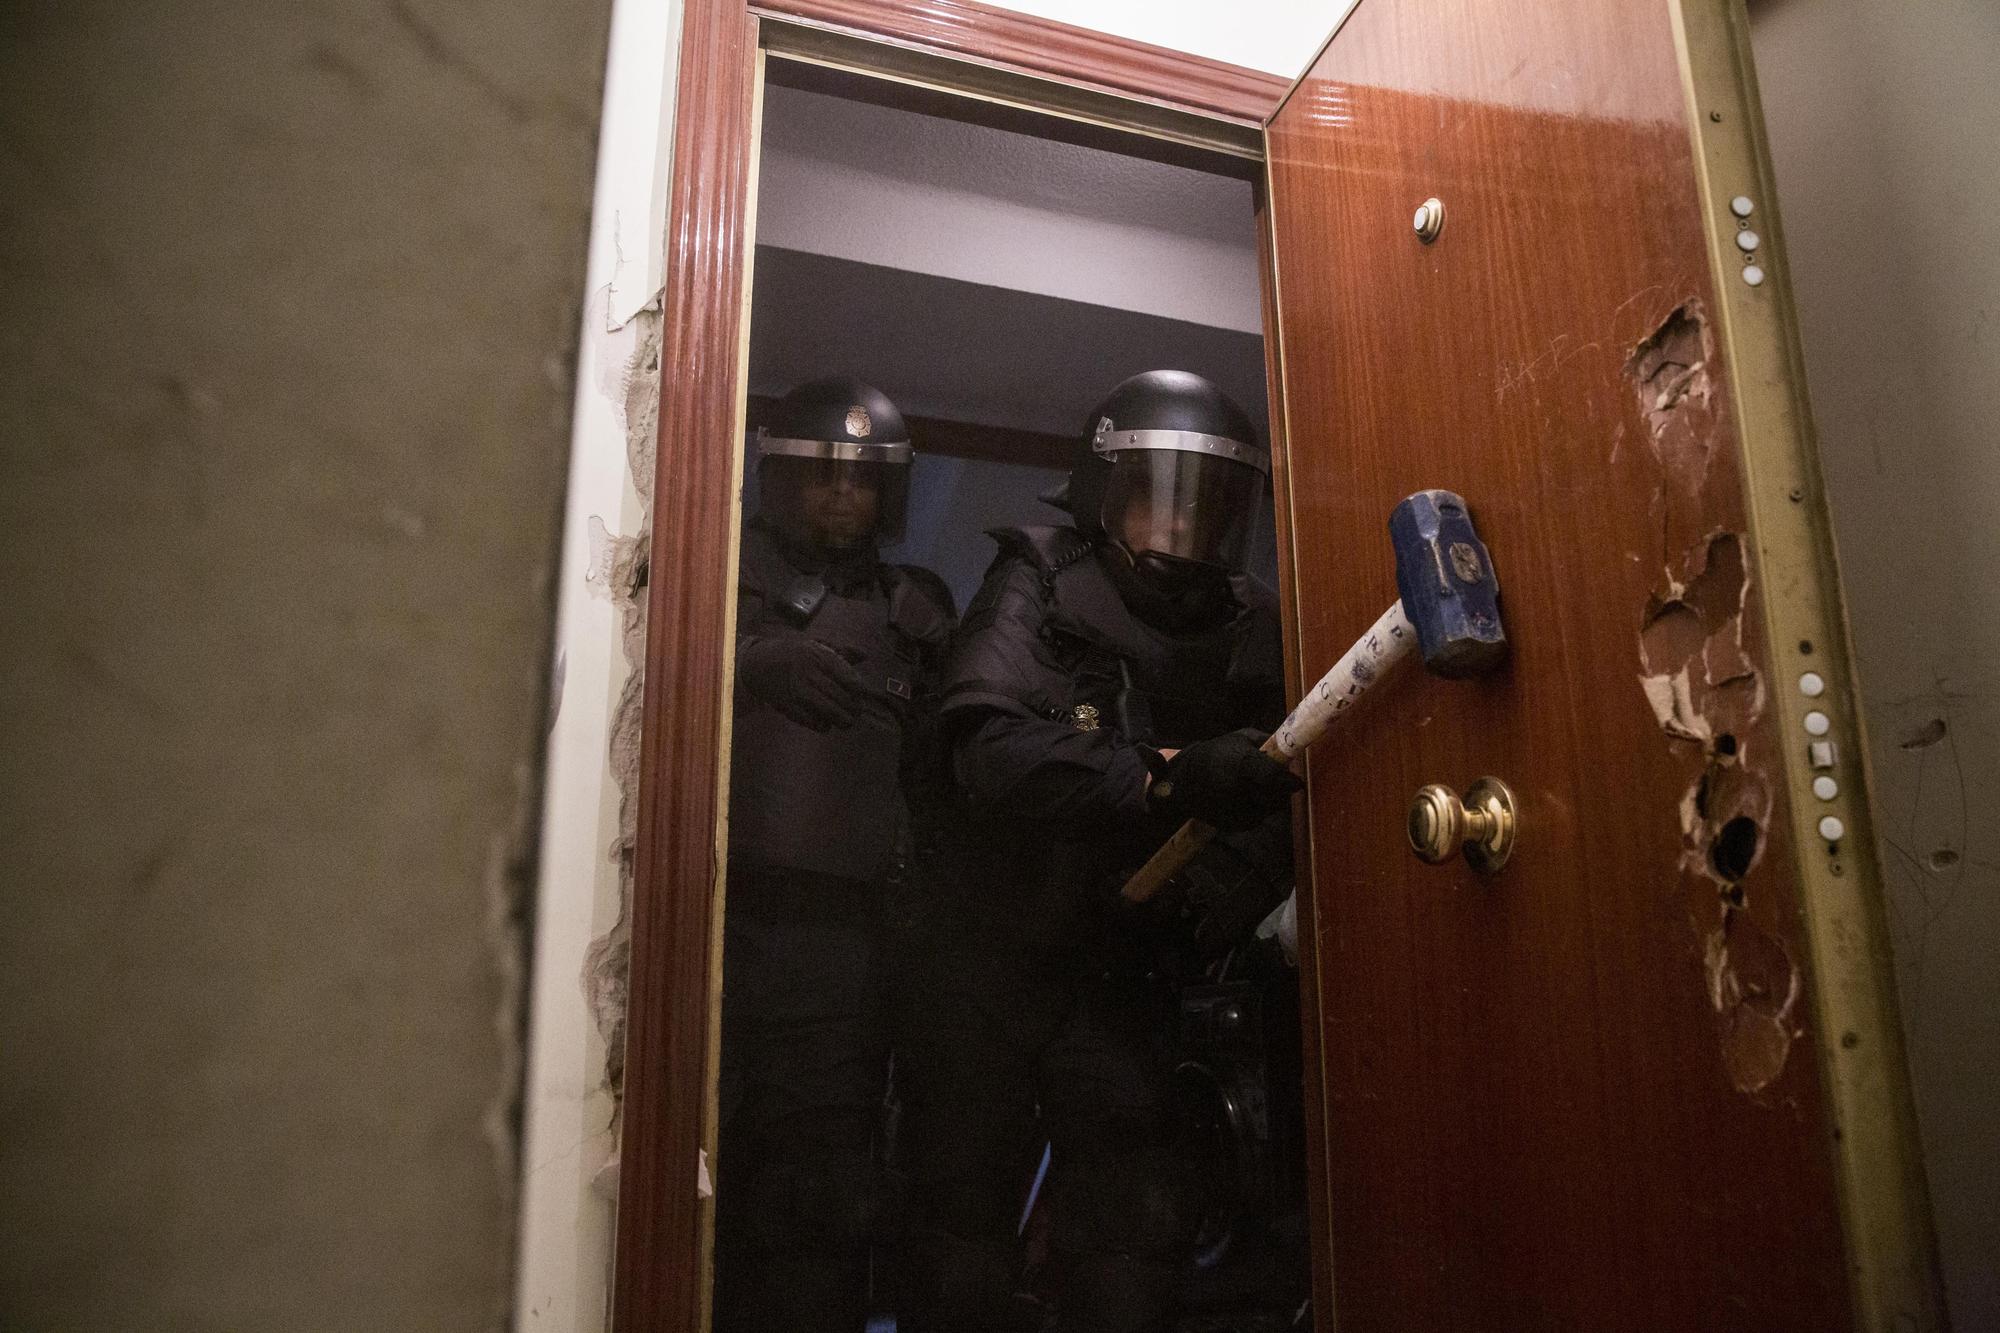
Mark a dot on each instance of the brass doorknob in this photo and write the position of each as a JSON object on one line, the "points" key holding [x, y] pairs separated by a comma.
{"points": [[1482, 824]]}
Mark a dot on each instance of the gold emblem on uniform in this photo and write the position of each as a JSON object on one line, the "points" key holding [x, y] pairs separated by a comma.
{"points": [[1084, 717], [858, 423]]}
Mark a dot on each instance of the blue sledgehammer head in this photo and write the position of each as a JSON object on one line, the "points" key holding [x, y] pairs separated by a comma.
{"points": [[1449, 589]]}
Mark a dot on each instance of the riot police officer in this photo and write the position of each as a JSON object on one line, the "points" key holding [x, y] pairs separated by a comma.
{"points": [[837, 652], [1111, 678]]}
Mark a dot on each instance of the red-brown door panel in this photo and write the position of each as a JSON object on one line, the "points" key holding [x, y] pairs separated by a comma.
{"points": [[1582, 1093]]}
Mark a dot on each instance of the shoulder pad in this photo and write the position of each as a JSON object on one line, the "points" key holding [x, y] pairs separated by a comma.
{"points": [[1049, 548], [1257, 658], [1252, 593], [920, 604], [999, 659], [927, 582]]}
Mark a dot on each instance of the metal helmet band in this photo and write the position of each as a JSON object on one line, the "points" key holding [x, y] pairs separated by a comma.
{"points": [[1108, 440], [883, 451]]}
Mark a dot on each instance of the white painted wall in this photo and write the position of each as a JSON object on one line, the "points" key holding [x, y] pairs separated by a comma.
{"points": [[634, 144], [994, 207]]}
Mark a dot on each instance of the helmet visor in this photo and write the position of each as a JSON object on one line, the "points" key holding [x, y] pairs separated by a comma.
{"points": [[836, 503], [1173, 502]]}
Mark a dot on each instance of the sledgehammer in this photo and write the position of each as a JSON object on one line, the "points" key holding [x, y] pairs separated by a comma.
{"points": [[1448, 604]]}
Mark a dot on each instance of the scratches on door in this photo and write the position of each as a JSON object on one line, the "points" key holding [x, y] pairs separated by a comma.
{"points": [[1707, 695], [1753, 986], [1669, 368], [1668, 372], [1694, 669]]}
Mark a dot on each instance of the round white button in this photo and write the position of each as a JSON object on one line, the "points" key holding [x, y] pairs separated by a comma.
{"points": [[1811, 686], [1747, 240], [1741, 206], [1753, 275], [1817, 723], [1831, 829], [1825, 787]]}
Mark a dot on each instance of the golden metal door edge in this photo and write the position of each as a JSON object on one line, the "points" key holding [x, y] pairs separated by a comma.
{"points": [[1891, 1248]]}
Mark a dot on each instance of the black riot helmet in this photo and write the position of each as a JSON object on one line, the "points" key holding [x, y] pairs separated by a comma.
{"points": [[833, 465], [1169, 469]]}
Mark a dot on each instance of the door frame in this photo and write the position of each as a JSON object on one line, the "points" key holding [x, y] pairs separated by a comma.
{"points": [[663, 1237]]}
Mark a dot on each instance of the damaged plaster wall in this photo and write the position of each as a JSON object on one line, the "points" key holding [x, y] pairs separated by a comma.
{"points": [[290, 296], [1882, 125], [590, 833], [590, 814]]}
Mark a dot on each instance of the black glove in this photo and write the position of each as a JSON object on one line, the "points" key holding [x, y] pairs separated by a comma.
{"points": [[1227, 781], [802, 678]]}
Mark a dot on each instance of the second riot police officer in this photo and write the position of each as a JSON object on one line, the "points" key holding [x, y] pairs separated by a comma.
{"points": [[837, 654], [1112, 678]]}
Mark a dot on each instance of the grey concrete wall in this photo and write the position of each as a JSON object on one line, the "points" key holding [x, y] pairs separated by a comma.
{"points": [[288, 301], [1885, 132]]}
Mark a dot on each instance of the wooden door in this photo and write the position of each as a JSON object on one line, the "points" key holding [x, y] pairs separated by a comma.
{"points": [[1648, 1075]]}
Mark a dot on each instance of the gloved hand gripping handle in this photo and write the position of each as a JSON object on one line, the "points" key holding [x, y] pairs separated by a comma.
{"points": [[1385, 644]]}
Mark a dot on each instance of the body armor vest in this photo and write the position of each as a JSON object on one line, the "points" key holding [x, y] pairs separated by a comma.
{"points": [[1057, 641], [831, 802], [1049, 637]]}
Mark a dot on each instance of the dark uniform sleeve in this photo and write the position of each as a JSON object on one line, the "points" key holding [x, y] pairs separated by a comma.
{"points": [[1048, 772], [1005, 690]]}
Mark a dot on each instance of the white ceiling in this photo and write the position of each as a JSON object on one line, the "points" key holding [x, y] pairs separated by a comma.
{"points": [[883, 186], [1276, 36], [947, 348]]}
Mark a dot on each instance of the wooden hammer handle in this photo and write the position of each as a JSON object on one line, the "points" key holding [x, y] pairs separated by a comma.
{"points": [[1180, 849], [1385, 644]]}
